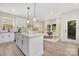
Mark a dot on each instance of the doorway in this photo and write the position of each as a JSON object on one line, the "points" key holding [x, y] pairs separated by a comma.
{"points": [[71, 29]]}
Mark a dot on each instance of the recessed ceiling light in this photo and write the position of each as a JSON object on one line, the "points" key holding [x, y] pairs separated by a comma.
{"points": [[76, 4], [51, 13], [12, 10]]}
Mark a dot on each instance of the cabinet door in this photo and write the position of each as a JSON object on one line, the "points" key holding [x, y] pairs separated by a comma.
{"points": [[4, 38], [26, 46], [11, 36], [8, 37], [1, 37], [17, 39], [19, 43], [22, 42]]}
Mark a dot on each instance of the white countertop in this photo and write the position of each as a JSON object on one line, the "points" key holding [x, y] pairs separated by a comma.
{"points": [[32, 34], [6, 31]]}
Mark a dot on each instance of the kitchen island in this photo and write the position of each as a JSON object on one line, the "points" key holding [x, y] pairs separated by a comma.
{"points": [[30, 44]]}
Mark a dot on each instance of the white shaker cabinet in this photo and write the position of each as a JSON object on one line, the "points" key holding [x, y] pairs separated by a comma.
{"points": [[18, 40], [30, 45], [6, 37]]}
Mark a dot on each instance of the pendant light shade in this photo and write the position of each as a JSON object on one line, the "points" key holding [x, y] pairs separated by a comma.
{"points": [[34, 19], [28, 15], [28, 21]]}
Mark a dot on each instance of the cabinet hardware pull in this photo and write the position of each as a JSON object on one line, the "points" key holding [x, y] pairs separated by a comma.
{"points": [[8, 35], [22, 41], [22, 37]]}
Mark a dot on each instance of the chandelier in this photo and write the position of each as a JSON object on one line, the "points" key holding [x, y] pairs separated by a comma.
{"points": [[28, 15], [34, 17]]}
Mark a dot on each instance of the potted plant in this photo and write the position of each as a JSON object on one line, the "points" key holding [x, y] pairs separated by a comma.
{"points": [[49, 30]]}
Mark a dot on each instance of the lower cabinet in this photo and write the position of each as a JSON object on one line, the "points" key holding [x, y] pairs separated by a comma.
{"points": [[6, 37], [20, 41], [25, 46], [30, 46]]}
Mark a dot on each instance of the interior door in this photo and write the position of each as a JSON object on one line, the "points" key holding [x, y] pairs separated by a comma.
{"points": [[63, 30]]}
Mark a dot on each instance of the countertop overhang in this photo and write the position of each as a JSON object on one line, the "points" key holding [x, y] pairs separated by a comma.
{"points": [[32, 34]]}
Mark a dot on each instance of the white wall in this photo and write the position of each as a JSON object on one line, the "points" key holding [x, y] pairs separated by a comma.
{"points": [[57, 28], [74, 15], [53, 21], [19, 22]]}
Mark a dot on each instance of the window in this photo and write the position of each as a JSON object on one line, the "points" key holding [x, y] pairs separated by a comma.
{"points": [[7, 23]]}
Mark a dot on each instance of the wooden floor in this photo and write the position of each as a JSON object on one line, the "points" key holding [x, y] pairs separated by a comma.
{"points": [[50, 49], [9, 49], [60, 49]]}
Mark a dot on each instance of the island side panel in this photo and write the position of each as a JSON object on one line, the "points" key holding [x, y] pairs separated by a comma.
{"points": [[36, 46]]}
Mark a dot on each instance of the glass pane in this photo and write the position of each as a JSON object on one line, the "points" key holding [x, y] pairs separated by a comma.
{"points": [[72, 29]]}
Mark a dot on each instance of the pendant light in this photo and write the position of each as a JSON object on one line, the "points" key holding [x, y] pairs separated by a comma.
{"points": [[28, 15], [34, 19]]}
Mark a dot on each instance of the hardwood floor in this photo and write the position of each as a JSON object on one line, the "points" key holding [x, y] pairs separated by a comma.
{"points": [[60, 49], [50, 49], [9, 49]]}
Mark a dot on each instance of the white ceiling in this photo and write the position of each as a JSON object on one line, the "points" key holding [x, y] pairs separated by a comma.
{"points": [[44, 11]]}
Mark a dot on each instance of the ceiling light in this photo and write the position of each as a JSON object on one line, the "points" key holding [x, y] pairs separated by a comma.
{"points": [[27, 21], [51, 13], [12, 10], [28, 15], [76, 4], [34, 19]]}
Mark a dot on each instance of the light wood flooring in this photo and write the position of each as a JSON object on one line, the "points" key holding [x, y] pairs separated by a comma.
{"points": [[60, 49], [50, 49], [10, 49]]}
